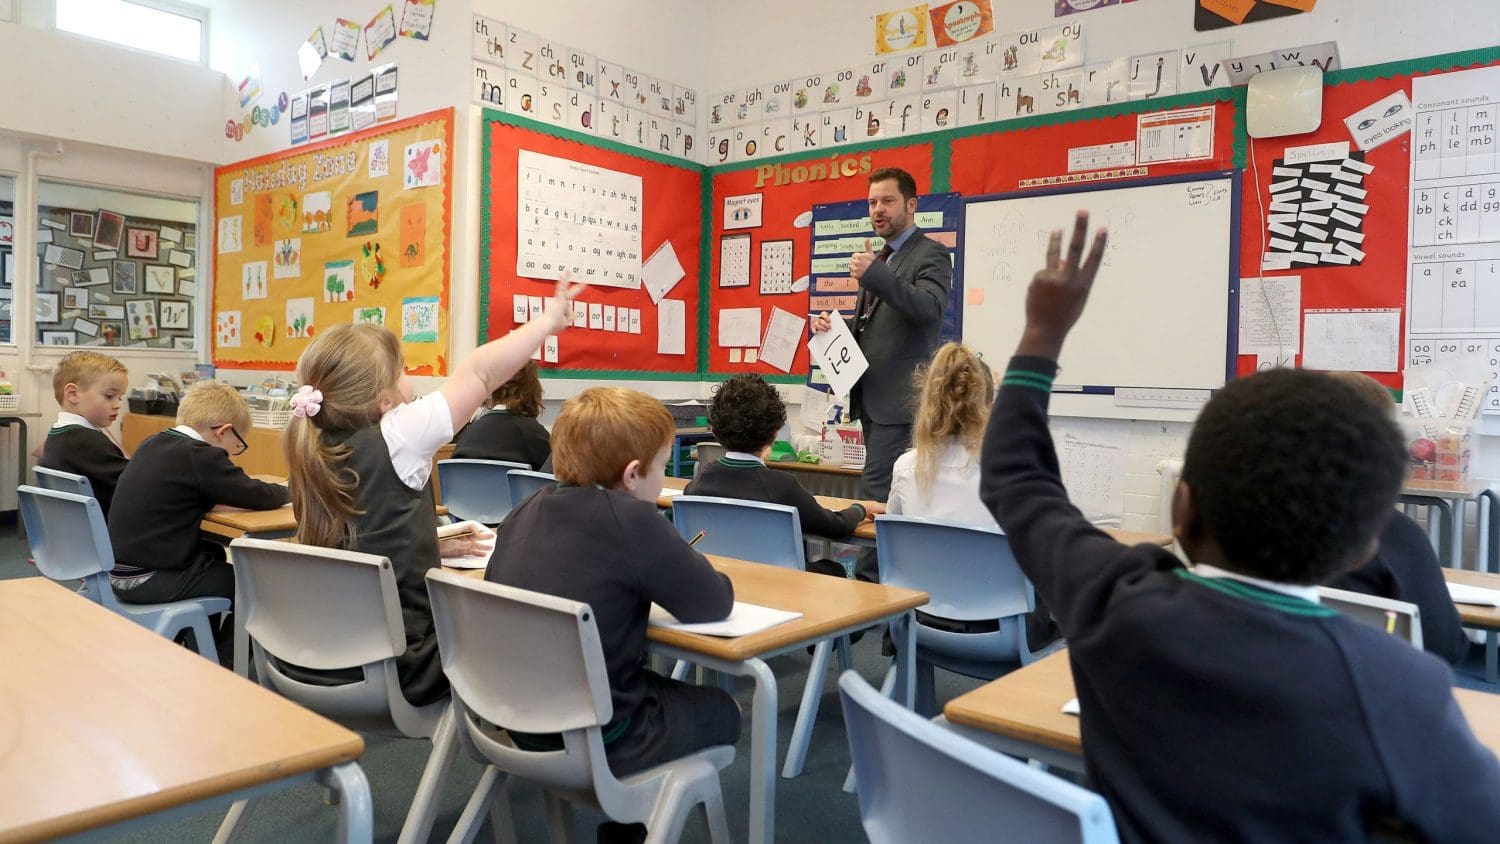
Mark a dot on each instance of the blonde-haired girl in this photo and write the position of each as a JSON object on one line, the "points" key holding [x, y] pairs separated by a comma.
{"points": [[939, 476], [360, 452]]}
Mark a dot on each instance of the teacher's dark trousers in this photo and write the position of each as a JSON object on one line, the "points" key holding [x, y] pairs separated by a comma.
{"points": [[883, 444]]}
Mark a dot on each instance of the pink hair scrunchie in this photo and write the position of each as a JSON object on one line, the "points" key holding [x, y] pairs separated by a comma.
{"points": [[307, 402]]}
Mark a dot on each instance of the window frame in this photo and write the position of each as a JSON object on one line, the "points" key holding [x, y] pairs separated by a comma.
{"points": [[8, 346], [171, 7]]}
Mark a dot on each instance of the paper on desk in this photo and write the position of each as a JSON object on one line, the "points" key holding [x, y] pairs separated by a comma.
{"points": [[1270, 315], [662, 271], [671, 327], [1462, 593], [839, 356], [669, 492], [783, 335], [1071, 707], [458, 529], [1358, 340], [739, 327], [743, 620]]}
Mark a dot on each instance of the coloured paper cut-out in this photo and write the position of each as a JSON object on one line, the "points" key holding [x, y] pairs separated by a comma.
{"points": [[363, 211], [419, 319], [286, 214], [265, 332], [371, 264], [413, 235], [338, 281], [227, 329], [374, 316], [261, 225], [317, 212], [299, 318], [424, 165]]}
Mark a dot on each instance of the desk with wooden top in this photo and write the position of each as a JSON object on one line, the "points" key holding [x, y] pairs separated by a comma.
{"points": [[1445, 502], [195, 735], [821, 478], [830, 606], [1481, 617], [1021, 713]]}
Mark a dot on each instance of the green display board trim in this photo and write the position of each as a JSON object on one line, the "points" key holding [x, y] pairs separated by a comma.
{"points": [[769, 379], [1084, 115], [1411, 67], [705, 266], [1239, 155]]}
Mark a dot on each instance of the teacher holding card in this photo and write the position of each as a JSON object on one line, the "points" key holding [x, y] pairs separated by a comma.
{"points": [[903, 292]]}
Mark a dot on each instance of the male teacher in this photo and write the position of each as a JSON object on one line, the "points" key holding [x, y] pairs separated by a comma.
{"points": [[903, 292]]}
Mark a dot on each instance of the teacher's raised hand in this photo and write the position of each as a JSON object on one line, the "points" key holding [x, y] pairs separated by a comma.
{"points": [[861, 261]]}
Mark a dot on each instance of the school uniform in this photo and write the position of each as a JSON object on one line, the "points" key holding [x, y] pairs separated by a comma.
{"points": [[617, 554], [499, 434], [74, 445], [1217, 707], [742, 475], [164, 493], [1406, 569]]}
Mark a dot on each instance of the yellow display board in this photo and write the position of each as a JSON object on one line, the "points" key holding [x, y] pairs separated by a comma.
{"points": [[352, 229]]}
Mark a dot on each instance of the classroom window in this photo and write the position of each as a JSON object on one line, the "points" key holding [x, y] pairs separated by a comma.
{"points": [[7, 259], [170, 29], [115, 268]]}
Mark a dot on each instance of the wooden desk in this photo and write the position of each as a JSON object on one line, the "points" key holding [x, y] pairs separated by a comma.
{"points": [[822, 479], [830, 606], [1445, 502], [1481, 618], [199, 733], [1021, 713], [261, 524]]}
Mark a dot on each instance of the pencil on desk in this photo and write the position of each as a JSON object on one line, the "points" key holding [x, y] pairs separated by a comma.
{"points": [[694, 540]]}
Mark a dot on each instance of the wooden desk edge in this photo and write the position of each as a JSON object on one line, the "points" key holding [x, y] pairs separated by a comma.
{"points": [[785, 635]]}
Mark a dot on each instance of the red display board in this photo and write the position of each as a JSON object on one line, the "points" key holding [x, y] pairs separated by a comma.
{"points": [[672, 201]]}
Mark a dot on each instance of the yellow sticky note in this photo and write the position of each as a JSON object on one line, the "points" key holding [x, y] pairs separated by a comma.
{"points": [[1232, 10]]}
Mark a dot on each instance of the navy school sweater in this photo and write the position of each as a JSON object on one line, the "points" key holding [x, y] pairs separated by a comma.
{"points": [[753, 481], [88, 452], [502, 435], [1216, 711]]}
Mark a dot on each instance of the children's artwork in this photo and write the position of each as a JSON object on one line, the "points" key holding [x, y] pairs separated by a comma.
{"points": [[265, 332], [161, 278], [125, 273], [175, 315], [317, 212], [227, 329], [311, 54], [261, 221], [107, 312], [81, 225], [230, 230], [424, 164], [413, 235], [1073, 7], [286, 214], [380, 159], [183, 343], [62, 256], [299, 318], [76, 298], [379, 32], [253, 280], [964, 20], [140, 319], [416, 19], [338, 281], [363, 213], [371, 265], [419, 319], [57, 338], [374, 316], [287, 258], [141, 243], [92, 277], [111, 332], [108, 230], [46, 307], [1217, 14], [345, 38]]}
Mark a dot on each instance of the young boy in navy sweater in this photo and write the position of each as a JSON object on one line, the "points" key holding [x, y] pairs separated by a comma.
{"points": [[89, 387], [1223, 702]]}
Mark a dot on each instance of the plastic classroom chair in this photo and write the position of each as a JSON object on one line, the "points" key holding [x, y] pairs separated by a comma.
{"points": [[707, 453], [328, 610], [492, 639], [525, 483], [971, 575], [761, 533], [70, 541], [1402, 618], [477, 489], [919, 781], [59, 481]]}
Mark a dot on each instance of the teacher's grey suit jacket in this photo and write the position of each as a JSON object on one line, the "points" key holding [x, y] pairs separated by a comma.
{"points": [[901, 333]]}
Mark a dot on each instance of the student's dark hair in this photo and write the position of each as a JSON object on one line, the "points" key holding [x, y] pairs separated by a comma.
{"points": [[904, 182], [746, 413], [1293, 473], [522, 394]]}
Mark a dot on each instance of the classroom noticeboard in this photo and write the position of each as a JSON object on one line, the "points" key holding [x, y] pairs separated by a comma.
{"points": [[1162, 313], [354, 229]]}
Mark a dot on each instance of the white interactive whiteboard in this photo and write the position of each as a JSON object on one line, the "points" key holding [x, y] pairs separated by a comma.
{"points": [[1162, 314]]}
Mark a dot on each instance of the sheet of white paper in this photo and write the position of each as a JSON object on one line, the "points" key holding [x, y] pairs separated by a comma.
{"points": [[783, 336], [1361, 341], [743, 620], [466, 562], [1270, 315], [814, 409], [671, 327], [1071, 707], [668, 492], [839, 356], [662, 271], [1462, 593], [739, 327], [1091, 456], [579, 218]]}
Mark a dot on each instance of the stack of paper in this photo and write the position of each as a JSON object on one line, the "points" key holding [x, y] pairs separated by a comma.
{"points": [[743, 620], [459, 529], [1464, 594]]}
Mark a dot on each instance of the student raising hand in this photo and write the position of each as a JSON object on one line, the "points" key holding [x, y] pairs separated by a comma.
{"points": [[1058, 291]]}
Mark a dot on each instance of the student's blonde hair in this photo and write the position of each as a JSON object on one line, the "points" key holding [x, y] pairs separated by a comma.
{"points": [[83, 369], [602, 429], [1369, 389], [352, 366], [209, 404], [956, 390]]}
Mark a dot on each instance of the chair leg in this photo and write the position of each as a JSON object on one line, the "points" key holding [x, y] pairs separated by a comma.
{"points": [[669, 815], [681, 669], [846, 658], [713, 815], [926, 689], [424, 803], [812, 695], [356, 808], [559, 819], [481, 800], [502, 825], [232, 821]]}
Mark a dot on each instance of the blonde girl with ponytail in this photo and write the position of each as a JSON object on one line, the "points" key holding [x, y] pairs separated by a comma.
{"points": [[360, 451], [939, 477]]}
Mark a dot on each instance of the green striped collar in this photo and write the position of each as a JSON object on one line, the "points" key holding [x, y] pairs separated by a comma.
{"points": [[1027, 378], [1275, 600], [52, 432], [739, 463]]}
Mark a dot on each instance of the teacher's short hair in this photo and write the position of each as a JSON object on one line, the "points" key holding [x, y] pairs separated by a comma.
{"points": [[904, 182]]}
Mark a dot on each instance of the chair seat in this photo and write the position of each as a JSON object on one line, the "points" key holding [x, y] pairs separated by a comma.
{"points": [[720, 757], [212, 606]]}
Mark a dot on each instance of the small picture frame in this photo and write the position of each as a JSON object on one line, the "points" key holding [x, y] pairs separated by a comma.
{"points": [[58, 338], [176, 314], [125, 277], [141, 243], [140, 319], [109, 230], [161, 278], [75, 298], [46, 307], [111, 332], [81, 226]]}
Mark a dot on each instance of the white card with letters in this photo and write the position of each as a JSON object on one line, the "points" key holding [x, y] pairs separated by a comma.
{"points": [[775, 267], [734, 260], [578, 218]]}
